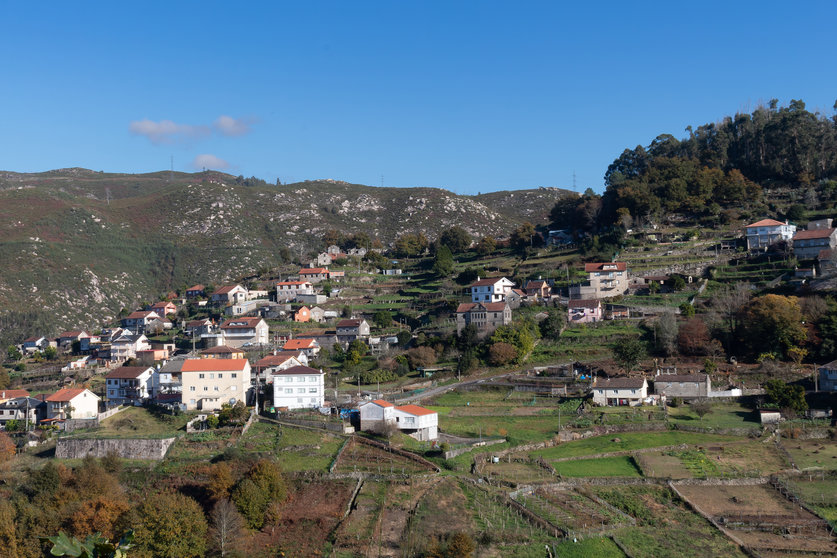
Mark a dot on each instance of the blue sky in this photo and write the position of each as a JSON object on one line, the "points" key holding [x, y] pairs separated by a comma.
{"points": [[469, 96]]}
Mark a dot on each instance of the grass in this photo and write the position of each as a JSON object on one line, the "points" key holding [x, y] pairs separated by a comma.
{"points": [[138, 422], [723, 415], [518, 430], [812, 454], [596, 547], [296, 449], [628, 441], [624, 466]]}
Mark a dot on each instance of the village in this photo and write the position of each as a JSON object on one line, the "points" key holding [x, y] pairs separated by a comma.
{"points": [[525, 386]]}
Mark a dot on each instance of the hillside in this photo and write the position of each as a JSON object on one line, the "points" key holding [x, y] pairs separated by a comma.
{"points": [[80, 245]]}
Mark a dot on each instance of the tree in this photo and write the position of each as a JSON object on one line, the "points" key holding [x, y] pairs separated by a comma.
{"points": [[460, 545], [523, 236], [100, 515], [8, 537], [220, 481], [456, 238], [771, 323], [227, 526], [726, 303], [94, 546], [7, 447], [628, 351], [443, 261], [264, 484], [701, 407], [233, 414], [693, 338], [486, 245], [13, 354], [171, 525], [786, 396], [500, 354], [421, 357], [382, 318], [552, 326], [404, 338], [50, 353], [355, 353], [665, 333]]}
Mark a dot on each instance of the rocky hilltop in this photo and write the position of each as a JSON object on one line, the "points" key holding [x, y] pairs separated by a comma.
{"points": [[76, 245]]}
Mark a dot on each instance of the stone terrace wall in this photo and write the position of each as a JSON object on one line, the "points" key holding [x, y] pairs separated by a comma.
{"points": [[77, 448]]}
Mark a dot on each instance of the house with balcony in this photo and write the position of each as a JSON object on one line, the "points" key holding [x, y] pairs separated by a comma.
{"points": [[163, 308], [766, 232], [128, 345], [491, 290], [349, 330], [289, 290], [195, 291], [229, 294], [486, 316], [72, 403], [620, 391], [808, 244], [140, 320], [208, 383], [239, 332], [20, 409], [417, 422], [35, 344], [828, 377], [538, 289], [280, 360], [298, 387], [308, 346], [604, 280], [131, 384], [584, 311]]}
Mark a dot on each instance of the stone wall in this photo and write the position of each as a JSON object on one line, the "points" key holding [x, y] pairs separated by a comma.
{"points": [[77, 448]]}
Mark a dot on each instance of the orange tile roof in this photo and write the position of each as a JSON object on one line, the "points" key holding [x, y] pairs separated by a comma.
{"points": [[382, 403], [13, 393], [415, 410], [214, 364], [196, 288], [600, 266], [313, 270], [765, 223], [226, 288], [64, 395], [294, 344]]}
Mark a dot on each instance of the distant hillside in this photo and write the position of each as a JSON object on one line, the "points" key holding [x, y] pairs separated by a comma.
{"points": [[79, 245]]}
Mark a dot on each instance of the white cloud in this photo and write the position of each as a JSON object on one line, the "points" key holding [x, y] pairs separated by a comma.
{"points": [[229, 126], [207, 161], [166, 131]]}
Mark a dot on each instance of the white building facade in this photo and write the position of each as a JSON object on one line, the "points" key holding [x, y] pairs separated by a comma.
{"points": [[298, 387]]}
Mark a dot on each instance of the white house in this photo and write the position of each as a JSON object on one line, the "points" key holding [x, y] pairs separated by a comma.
{"points": [[491, 290], [287, 290], [131, 384], [620, 391], [298, 387], [35, 344], [263, 368], [72, 403], [138, 321], [229, 294], [310, 347], [239, 332], [762, 234], [127, 345], [417, 422]]}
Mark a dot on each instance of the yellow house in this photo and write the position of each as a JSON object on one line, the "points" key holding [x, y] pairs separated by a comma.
{"points": [[208, 383]]}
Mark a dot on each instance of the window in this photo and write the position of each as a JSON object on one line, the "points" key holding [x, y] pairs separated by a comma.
{"points": [[200, 376], [289, 390], [299, 399], [313, 400], [216, 388], [192, 401], [212, 376], [289, 379], [191, 388], [300, 378], [234, 375], [312, 390], [300, 390], [312, 378], [220, 376], [206, 388]]}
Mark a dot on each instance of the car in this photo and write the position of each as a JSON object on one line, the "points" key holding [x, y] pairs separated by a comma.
{"points": [[247, 344]]}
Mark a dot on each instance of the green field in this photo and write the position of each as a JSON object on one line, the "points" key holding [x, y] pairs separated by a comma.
{"points": [[722, 415], [296, 449], [627, 441], [138, 422], [602, 467]]}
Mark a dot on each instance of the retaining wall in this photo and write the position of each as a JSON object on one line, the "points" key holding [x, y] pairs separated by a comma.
{"points": [[77, 448]]}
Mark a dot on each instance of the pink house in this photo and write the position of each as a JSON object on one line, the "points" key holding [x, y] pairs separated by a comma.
{"points": [[584, 311]]}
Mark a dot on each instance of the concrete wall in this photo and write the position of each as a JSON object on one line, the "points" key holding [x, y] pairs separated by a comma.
{"points": [[77, 448]]}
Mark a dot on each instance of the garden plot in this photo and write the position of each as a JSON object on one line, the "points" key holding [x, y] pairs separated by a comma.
{"points": [[812, 454], [662, 465], [578, 513], [355, 534], [500, 528], [442, 510], [296, 449], [665, 527], [761, 517], [517, 471], [362, 458]]}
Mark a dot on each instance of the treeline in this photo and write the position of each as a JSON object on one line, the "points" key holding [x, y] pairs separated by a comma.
{"points": [[718, 166]]}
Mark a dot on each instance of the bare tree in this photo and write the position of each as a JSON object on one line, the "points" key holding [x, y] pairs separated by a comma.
{"points": [[701, 407], [227, 525], [727, 301], [665, 333]]}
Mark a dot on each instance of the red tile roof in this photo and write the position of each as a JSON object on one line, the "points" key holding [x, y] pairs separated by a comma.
{"points": [[297, 370], [214, 364], [765, 223], [294, 344], [196, 288], [621, 382], [605, 266], [349, 323], [13, 393], [415, 410], [226, 288], [584, 303], [487, 282], [313, 270], [221, 350], [816, 233], [241, 323], [382, 403], [72, 333], [140, 314], [489, 306], [276, 360], [64, 395], [127, 373]]}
